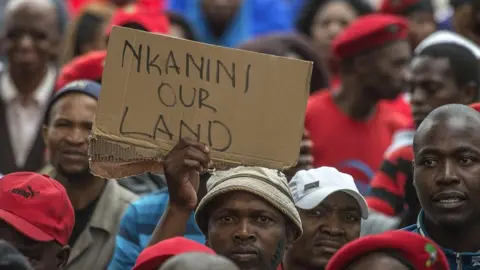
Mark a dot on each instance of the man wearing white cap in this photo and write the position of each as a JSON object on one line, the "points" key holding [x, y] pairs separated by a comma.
{"points": [[331, 209]]}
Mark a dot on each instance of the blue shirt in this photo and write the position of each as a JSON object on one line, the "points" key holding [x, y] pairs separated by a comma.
{"points": [[456, 260], [137, 225], [254, 18]]}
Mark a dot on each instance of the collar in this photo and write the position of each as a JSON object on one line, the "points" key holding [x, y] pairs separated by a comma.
{"points": [[41, 95], [104, 216], [422, 230]]}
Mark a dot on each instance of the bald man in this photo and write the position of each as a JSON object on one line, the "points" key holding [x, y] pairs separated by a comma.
{"points": [[30, 38], [446, 175], [198, 261]]}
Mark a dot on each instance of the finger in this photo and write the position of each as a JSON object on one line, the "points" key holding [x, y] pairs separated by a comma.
{"points": [[191, 142], [193, 164], [198, 155]]}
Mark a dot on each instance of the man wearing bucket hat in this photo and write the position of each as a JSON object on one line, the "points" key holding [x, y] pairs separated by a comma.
{"points": [[331, 209], [248, 214]]}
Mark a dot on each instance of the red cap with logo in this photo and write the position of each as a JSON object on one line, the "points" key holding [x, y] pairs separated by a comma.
{"points": [[414, 250], [154, 256], [37, 206], [369, 32]]}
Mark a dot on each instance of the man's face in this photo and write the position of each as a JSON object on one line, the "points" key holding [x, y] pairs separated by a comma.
{"points": [[432, 85], [41, 255], [447, 169], [326, 228], [66, 136], [30, 36], [389, 73], [247, 230], [221, 11]]}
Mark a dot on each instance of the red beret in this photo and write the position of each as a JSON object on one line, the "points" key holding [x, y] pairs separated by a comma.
{"points": [[151, 19], [405, 6], [85, 67], [475, 106], [418, 251], [369, 32], [154, 256]]}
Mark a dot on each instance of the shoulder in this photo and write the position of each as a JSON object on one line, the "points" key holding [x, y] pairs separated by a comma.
{"points": [[318, 100], [412, 228], [121, 194], [155, 201]]}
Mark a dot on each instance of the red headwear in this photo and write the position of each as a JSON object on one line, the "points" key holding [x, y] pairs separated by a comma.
{"points": [[36, 206], [154, 256], [418, 251], [85, 67], [475, 106], [152, 20], [369, 32]]}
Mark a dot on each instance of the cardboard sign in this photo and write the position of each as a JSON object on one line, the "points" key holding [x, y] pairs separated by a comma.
{"points": [[248, 107]]}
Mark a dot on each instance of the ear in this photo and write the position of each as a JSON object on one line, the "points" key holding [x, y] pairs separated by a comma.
{"points": [[290, 233], [62, 257], [470, 92], [413, 170]]}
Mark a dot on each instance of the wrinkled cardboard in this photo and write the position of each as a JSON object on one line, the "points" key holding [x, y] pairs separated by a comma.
{"points": [[249, 107]]}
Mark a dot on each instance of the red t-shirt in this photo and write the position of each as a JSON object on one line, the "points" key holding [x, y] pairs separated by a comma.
{"points": [[353, 147]]}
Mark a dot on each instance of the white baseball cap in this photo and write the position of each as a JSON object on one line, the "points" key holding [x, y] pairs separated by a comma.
{"points": [[445, 36], [310, 187]]}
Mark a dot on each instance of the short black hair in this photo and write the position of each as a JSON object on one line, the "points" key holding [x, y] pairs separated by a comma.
{"points": [[463, 63], [307, 15]]}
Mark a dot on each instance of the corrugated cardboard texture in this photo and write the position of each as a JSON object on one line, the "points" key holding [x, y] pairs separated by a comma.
{"points": [[156, 89]]}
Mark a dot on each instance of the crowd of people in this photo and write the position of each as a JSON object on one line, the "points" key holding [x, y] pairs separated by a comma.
{"points": [[387, 170]]}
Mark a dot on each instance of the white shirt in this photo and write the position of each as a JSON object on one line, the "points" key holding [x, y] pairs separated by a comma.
{"points": [[24, 119]]}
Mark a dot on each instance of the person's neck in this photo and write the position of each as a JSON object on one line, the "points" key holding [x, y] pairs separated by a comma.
{"points": [[27, 84], [82, 193], [456, 239], [291, 264], [351, 99]]}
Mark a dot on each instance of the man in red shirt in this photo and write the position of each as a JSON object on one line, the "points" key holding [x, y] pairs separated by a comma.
{"points": [[441, 73], [349, 128]]}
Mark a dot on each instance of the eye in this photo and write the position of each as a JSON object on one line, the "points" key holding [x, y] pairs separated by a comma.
{"points": [[429, 162], [351, 218], [315, 213], [226, 219], [465, 161], [264, 219]]}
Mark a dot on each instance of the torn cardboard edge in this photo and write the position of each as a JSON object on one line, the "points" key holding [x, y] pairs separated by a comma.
{"points": [[118, 159]]}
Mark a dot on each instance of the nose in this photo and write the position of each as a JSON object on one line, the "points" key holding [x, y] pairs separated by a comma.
{"points": [[26, 42], [417, 96], [243, 232], [334, 28], [449, 175], [332, 226], [77, 136]]}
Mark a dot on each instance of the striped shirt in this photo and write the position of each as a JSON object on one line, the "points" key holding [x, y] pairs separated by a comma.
{"points": [[137, 225]]}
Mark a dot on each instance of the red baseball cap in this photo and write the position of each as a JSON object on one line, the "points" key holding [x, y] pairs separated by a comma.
{"points": [[85, 67], [36, 206], [152, 20], [418, 251], [154, 256]]}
